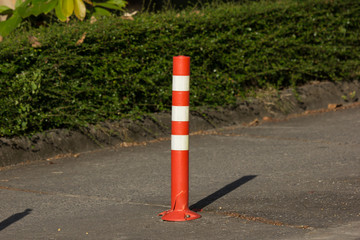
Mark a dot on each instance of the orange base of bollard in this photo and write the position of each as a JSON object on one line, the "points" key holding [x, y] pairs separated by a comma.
{"points": [[179, 215]]}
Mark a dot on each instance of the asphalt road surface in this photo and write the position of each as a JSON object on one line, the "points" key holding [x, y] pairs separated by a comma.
{"points": [[296, 179]]}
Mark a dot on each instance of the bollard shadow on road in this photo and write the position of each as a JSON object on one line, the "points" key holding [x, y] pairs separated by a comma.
{"points": [[198, 206], [14, 218]]}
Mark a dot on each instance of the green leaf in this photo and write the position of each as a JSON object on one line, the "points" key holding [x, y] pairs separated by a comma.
{"points": [[33, 87], [4, 9], [22, 8], [67, 7], [36, 7], [23, 124], [108, 5], [342, 29], [10, 25], [120, 3], [79, 9], [101, 12], [41, 6], [18, 3], [59, 13]]}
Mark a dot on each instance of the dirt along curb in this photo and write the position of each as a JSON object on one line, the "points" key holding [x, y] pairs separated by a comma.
{"points": [[268, 105]]}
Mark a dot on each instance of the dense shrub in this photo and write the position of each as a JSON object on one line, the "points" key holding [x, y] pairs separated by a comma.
{"points": [[123, 68]]}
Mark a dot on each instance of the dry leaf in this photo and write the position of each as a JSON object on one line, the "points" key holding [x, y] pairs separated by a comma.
{"points": [[81, 40], [34, 42], [254, 123], [267, 119], [197, 12], [92, 19], [129, 16], [1, 38], [333, 106]]}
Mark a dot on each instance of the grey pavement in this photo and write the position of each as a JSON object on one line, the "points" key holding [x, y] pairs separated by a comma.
{"points": [[296, 179]]}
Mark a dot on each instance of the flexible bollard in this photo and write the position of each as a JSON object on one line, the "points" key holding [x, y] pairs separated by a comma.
{"points": [[180, 143]]}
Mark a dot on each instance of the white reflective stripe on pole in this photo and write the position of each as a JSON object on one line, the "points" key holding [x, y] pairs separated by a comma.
{"points": [[180, 142], [180, 113], [181, 83]]}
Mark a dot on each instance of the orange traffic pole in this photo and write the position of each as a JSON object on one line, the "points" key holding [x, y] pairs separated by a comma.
{"points": [[180, 143]]}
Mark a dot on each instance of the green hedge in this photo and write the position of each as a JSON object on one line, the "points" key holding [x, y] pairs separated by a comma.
{"points": [[123, 68]]}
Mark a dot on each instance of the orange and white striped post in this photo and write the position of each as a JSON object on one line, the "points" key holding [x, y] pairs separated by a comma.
{"points": [[180, 143]]}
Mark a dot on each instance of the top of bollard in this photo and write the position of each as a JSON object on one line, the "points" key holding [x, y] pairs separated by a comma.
{"points": [[181, 65]]}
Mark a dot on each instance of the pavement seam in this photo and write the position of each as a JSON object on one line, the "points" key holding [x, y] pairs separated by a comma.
{"points": [[216, 133]]}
